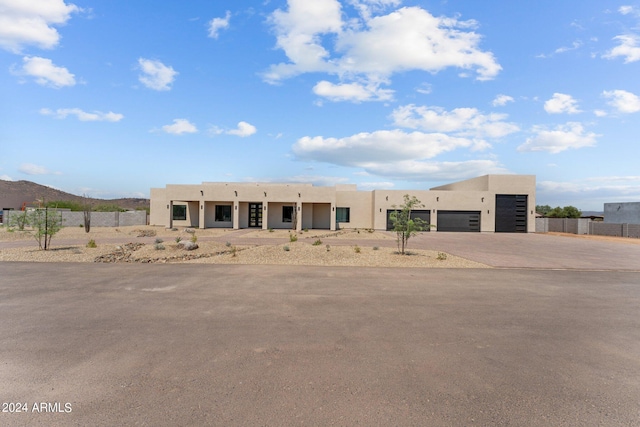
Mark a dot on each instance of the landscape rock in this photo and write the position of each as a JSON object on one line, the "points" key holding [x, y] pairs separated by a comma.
{"points": [[189, 230], [188, 246]]}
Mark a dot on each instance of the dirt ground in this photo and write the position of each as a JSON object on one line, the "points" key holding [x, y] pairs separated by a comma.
{"points": [[150, 244]]}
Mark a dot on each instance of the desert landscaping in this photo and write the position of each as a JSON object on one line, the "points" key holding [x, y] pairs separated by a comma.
{"points": [[151, 244]]}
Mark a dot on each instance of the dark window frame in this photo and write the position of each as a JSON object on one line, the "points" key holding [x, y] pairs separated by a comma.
{"points": [[287, 213], [343, 214], [179, 212], [223, 213]]}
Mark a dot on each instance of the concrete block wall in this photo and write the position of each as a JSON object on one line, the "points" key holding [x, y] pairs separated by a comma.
{"points": [[586, 226], [98, 219]]}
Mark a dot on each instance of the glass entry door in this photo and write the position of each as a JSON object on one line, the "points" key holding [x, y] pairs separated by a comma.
{"points": [[255, 215]]}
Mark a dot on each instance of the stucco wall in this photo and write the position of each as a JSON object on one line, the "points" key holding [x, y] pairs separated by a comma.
{"points": [[622, 213]]}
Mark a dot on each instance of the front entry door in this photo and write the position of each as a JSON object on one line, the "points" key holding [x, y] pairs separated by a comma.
{"points": [[255, 215]]}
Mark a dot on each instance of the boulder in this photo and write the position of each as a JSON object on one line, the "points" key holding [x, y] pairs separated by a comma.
{"points": [[188, 246]]}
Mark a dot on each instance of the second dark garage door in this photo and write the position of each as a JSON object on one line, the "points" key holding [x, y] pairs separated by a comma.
{"points": [[465, 221]]}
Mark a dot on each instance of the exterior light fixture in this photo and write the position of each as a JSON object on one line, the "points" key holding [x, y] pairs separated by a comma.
{"points": [[235, 192], [298, 208], [483, 200], [201, 193], [299, 195], [380, 209], [265, 193], [387, 198], [201, 207], [437, 199], [167, 206]]}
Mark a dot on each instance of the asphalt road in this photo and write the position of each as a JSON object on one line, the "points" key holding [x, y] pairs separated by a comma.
{"points": [[156, 345]]}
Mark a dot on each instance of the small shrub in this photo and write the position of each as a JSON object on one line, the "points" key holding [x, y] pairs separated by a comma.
{"points": [[317, 242], [92, 244], [234, 252], [375, 248], [293, 237], [442, 256], [159, 240], [357, 249], [178, 239], [271, 230], [370, 230], [194, 238], [159, 247], [80, 225], [227, 244], [286, 248], [306, 230], [328, 248]]}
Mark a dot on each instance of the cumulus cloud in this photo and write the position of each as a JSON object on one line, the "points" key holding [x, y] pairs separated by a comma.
{"points": [[502, 100], [628, 48], [318, 180], [243, 130], [459, 121], [155, 75], [217, 24], [315, 38], [32, 23], [32, 169], [179, 127], [561, 103], [571, 135], [6, 178], [413, 170], [354, 92], [589, 193], [46, 73], [623, 101], [83, 116]]}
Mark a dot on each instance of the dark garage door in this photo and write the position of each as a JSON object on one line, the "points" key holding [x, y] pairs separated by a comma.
{"points": [[467, 221], [511, 213], [425, 215]]}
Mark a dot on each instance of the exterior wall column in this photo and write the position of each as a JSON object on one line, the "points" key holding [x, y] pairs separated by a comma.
{"points": [[236, 215], [170, 206], [298, 209], [265, 215], [332, 218], [201, 214]]}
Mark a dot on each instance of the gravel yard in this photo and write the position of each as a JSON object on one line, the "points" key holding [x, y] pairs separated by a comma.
{"points": [[222, 246]]}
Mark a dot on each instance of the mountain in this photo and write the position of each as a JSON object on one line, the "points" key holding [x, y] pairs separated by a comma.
{"points": [[14, 193]]}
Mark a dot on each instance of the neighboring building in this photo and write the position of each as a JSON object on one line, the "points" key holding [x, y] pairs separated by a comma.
{"points": [[490, 203], [622, 213]]}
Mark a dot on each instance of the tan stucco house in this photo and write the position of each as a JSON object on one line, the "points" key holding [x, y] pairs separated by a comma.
{"points": [[489, 203]]}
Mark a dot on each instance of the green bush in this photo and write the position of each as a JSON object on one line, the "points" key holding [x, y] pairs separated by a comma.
{"points": [[92, 244], [159, 247], [293, 237], [375, 248], [357, 249], [286, 248], [317, 242]]}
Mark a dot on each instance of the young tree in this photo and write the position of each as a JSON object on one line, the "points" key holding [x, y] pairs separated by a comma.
{"points": [[17, 220], [46, 223], [404, 225]]}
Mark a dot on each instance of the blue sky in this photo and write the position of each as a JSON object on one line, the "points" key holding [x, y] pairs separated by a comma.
{"points": [[111, 98]]}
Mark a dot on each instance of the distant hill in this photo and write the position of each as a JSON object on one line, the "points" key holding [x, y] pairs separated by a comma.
{"points": [[14, 193]]}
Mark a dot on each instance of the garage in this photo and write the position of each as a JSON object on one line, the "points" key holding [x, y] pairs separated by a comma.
{"points": [[511, 213], [424, 215], [459, 221]]}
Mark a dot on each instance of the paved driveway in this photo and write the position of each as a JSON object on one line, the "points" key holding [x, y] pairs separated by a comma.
{"points": [[277, 345]]}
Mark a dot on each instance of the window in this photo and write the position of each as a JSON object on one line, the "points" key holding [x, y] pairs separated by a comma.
{"points": [[179, 212], [342, 214], [287, 214], [223, 213]]}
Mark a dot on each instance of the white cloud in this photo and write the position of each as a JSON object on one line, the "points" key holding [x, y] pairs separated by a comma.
{"points": [[623, 101], [354, 92], [384, 185], [575, 45], [561, 103], [629, 48], [31, 23], [244, 129], [315, 38], [459, 121], [32, 169], [318, 180], [629, 10], [502, 100], [6, 178], [413, 170], [217, 24], [600, 113], [83, 116], [179, 127], [425, 89], [155, 75], [568, 136], [46, 73], [589, 193], [377, 147]]}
